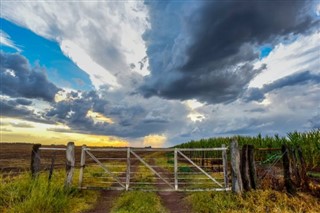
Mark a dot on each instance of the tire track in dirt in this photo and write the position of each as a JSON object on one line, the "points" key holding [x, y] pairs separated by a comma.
{"points": [[108, 197], [173, 201]]}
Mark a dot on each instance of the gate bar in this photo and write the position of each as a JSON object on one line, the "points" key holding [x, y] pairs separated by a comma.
{"points": [[209, 176], [156, 173], [105, 168], [225, 167]]}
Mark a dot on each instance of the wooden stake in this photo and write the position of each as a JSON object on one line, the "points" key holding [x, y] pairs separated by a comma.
{"points": [[35, 160], [303, 170], [252, 167], [128, 169], [175, 169], [287, 171]]}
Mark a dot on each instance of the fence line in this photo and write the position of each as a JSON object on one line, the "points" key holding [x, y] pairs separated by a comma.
{"points": [[178, 168]]}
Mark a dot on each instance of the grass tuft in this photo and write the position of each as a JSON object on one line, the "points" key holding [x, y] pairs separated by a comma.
{"points": [[24, 194], [138, 201]]}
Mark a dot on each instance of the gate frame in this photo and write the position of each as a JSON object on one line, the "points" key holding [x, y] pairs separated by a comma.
{"points": [[177, 151]]}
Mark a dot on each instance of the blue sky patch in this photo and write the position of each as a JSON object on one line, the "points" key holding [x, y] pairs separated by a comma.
{"points": [[265, 51], [40, 51]]}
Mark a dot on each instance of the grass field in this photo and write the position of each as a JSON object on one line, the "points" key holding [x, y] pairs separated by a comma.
{"points": [[20, 193]]}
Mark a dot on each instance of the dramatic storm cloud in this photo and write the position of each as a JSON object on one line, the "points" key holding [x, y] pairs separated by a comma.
{"points": [[256, 94], [159, 72], [19, 80], [208, 51], [103, 42], [131, 117]]}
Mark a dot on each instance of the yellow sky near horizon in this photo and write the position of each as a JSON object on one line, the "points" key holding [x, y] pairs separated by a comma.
{"points": [[18, 130]]}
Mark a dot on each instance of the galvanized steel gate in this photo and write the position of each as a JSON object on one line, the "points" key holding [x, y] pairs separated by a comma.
{"points": [[154, 169]]}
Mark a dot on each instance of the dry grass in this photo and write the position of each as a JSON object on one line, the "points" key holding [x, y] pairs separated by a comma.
{"points": [[254, 201]]}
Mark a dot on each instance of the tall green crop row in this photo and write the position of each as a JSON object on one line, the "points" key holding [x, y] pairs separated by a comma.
{"points": [[309, 142]]}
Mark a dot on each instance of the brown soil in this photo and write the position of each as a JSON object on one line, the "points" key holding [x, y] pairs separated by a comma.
{"points": [[105, 201], [173, 201]]}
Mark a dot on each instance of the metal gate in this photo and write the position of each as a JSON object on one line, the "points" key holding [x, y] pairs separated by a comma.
{"points": [[154, 169]]}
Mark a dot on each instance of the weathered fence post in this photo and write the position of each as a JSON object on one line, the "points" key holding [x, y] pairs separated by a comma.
{"points": [[252, 167], [235, 167], [244, 168], [128, 169], [225, 166], [82, 164], [287, 170], [70, 163], [175, 169], [35, 160], [295, 167], [303, 170]]}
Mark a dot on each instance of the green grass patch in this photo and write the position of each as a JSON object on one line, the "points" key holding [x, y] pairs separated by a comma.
{"points": [[24, 194], [138, 201], [314, 174]]}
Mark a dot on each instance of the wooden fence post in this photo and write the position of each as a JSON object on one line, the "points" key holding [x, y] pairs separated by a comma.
{"points": [[252, 167], [82, 164], [128, 169], [244, 168], [287, 170], [295, 167], [175, 169], [70, 163], [225, 166], [235, 167], [303, 170], [35, 160]]}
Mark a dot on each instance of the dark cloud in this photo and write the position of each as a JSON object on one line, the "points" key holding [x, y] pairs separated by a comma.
{"points": [[21, 125], [60, 130], [315, 122], [9, 108], [19, 80], [20, 101], [260, 110], [207, 50], [132, 116], [256, 94], [223, 27]]}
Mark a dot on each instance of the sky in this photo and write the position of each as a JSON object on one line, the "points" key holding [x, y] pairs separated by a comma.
{"points": [[157, 73]]}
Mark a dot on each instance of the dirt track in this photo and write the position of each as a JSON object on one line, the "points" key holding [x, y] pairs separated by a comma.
{"points": [[173, 201]]}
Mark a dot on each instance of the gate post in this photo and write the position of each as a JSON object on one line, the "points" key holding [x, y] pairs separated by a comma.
{"points": [[175, 169], [128, 169], [225, 166], [82, 164], [235, 167], [70, 163]]}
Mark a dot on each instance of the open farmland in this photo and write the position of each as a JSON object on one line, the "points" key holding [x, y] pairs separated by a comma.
{"points": [[270, 195]]}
